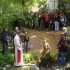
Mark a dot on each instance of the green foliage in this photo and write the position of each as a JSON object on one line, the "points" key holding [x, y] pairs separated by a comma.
{"points": [[68, 54], [42, 5], [67, 0], [68, 18], [29, 57], [8, 8], [9, 58], [63, 5], [6, 59], [53, 56], [1, 47], [68, 36], [68, 43], [48, 58]]}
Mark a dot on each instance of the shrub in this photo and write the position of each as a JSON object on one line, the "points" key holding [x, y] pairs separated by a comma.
{"points": [[9, 58], [68, 45], [28, 57], [53, 57], [47, 59], [6, 59]]}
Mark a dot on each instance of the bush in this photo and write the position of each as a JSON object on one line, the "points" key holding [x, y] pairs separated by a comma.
{"points": [[9, 58], [68, 18], [68, 45], [53, 57], [29, 57], [6, 59], [47, 59]]}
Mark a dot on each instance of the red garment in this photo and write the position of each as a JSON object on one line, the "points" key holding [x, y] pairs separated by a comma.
{"points": [[18, 51], [47, 19]]}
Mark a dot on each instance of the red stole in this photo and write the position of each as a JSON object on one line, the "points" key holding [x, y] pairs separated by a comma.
{"points": [[19, 54]]}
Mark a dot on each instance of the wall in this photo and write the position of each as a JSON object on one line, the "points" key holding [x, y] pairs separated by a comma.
{"points": [[52, 4]]}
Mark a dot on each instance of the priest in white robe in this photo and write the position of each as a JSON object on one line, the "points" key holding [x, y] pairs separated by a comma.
{"points": [[18, 54]]}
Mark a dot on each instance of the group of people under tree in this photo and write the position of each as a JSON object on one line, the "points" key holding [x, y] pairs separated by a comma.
{"points": [[42, 20], [48, 20]]}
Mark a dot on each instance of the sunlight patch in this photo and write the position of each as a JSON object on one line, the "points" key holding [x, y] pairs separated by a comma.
{"points": [[34, 36]]}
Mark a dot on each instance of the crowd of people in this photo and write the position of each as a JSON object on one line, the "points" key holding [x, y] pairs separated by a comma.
{"points": [[20, 45], [54, 20], [49, 21]]}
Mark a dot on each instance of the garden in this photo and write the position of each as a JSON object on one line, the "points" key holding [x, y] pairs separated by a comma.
{"points": [[13, 10]]}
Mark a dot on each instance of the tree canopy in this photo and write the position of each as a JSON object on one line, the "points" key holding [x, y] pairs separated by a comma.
{"points": [[8, 8]]}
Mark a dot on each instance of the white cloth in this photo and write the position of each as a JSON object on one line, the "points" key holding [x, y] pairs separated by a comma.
{"points": [[18, 55]]}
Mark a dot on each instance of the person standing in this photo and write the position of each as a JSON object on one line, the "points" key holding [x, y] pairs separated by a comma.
{"points": [[56, 22], [18, 53], [16, 30], [62, 50], [46, 20], [25, 41], [63, 20], [13, 35], [5, 40], [41, 22], [56, 25]]}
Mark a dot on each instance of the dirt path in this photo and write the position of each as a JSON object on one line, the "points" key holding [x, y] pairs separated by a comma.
{"points": [[36, 38]]}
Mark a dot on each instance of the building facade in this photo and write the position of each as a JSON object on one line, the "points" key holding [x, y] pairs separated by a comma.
{"points": [[52, 4]]}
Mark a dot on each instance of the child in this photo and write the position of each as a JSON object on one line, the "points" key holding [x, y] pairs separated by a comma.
{"points": [[46, 47], [46, 53]]}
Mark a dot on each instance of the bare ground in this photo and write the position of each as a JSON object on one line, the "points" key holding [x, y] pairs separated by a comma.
{"points": [[36, 38]]}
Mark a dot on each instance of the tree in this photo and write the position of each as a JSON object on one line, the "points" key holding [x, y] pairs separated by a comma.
{"points": [[8, 8], [21, 8], [63, 4]]}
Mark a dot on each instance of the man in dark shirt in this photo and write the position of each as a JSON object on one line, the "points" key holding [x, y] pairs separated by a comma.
{"points": [[62, 50], [5, 40], [25, 41]]}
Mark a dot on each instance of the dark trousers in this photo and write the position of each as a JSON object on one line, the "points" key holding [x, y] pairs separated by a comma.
{"points": [[5, 47], [46, 24], [61, 58], [25, 47], [41, 26]]}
